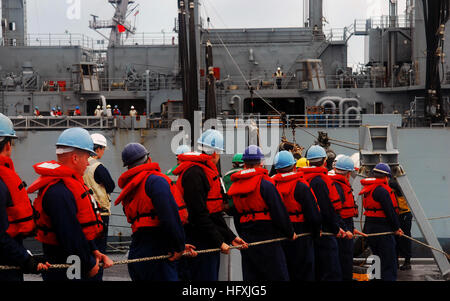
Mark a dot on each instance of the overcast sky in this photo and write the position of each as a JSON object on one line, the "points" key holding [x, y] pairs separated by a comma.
{"points": [[58, 16]]}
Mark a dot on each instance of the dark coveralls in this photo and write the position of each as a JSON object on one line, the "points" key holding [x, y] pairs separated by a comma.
{"points": [[345, 245], [300, 253], [384, 246], [12, 252], [328, 267], [405, 222], [255, 263], [154, 241], [203, 230], [59, 204], [103, 177]]}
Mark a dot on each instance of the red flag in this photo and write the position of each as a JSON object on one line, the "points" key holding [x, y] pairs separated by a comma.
{"points": [[121, 28]]}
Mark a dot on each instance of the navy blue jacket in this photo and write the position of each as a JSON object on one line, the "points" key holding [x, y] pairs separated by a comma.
{"points": [[382, 196], [305, 198], [12, 251], [59, 204], [331, 221], [166, 208], [102, 176]]}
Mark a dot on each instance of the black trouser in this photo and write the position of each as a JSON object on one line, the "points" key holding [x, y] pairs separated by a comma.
{"points": [[328, 267], [404, 244], [264, 262], [204, 267], [300, 255], [278, 81], [100, 242], [346, 251], [10, 275], [383, 246]]}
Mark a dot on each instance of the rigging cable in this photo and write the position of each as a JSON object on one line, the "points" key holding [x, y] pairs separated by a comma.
{"points": [[240, 71]]}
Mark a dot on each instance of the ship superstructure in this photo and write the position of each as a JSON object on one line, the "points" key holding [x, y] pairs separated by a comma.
{"points": [[66, 71]]}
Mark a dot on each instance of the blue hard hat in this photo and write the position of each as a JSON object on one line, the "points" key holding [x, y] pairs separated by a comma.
{"points": [[53, 109], [6, 127], [211, 139], [284, 159], [78, 138], [316, 152], [382, 168], [77, 107], [252, 153], [345, 163], [36, 107], [133, 152], [182, 149]]}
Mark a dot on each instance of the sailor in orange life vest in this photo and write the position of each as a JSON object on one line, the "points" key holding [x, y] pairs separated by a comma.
{"points": [[16, 213], [342, 170], [199, 183], [156, 211], [263, 216], [301, 205], [69, 220], [381, 209], [325, 247]]}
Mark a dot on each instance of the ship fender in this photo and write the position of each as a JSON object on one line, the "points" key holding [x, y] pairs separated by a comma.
{"points": [[235, 99], [327, 98], [347, 112], [329, 102]]}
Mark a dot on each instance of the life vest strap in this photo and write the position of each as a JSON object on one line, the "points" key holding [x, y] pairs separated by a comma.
{"points": [[102, 210], [296, 213], [244, 213], [373, 209], [350, 207], [22, 185], [86, 193], [25, 219], [93, 223], [151, 214]]}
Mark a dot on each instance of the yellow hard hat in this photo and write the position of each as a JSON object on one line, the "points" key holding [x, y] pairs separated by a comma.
{"points": [[302, 162]]}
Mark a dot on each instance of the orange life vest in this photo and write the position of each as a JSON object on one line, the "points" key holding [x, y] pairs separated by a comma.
{"points": [[349, 208], [88, 214], [246, 194], [285, 184], [137, 205], [214, 199], [310, 172], [371, 207], [21, 214]]}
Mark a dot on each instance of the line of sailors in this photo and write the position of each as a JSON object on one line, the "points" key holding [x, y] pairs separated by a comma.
{"points": [[109, 112], [56, 112], [182, 212], [114, 112]]}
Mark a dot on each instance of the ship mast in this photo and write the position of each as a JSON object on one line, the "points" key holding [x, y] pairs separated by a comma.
{"points": [[188, 31], [118, 24], [436, 15]]}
